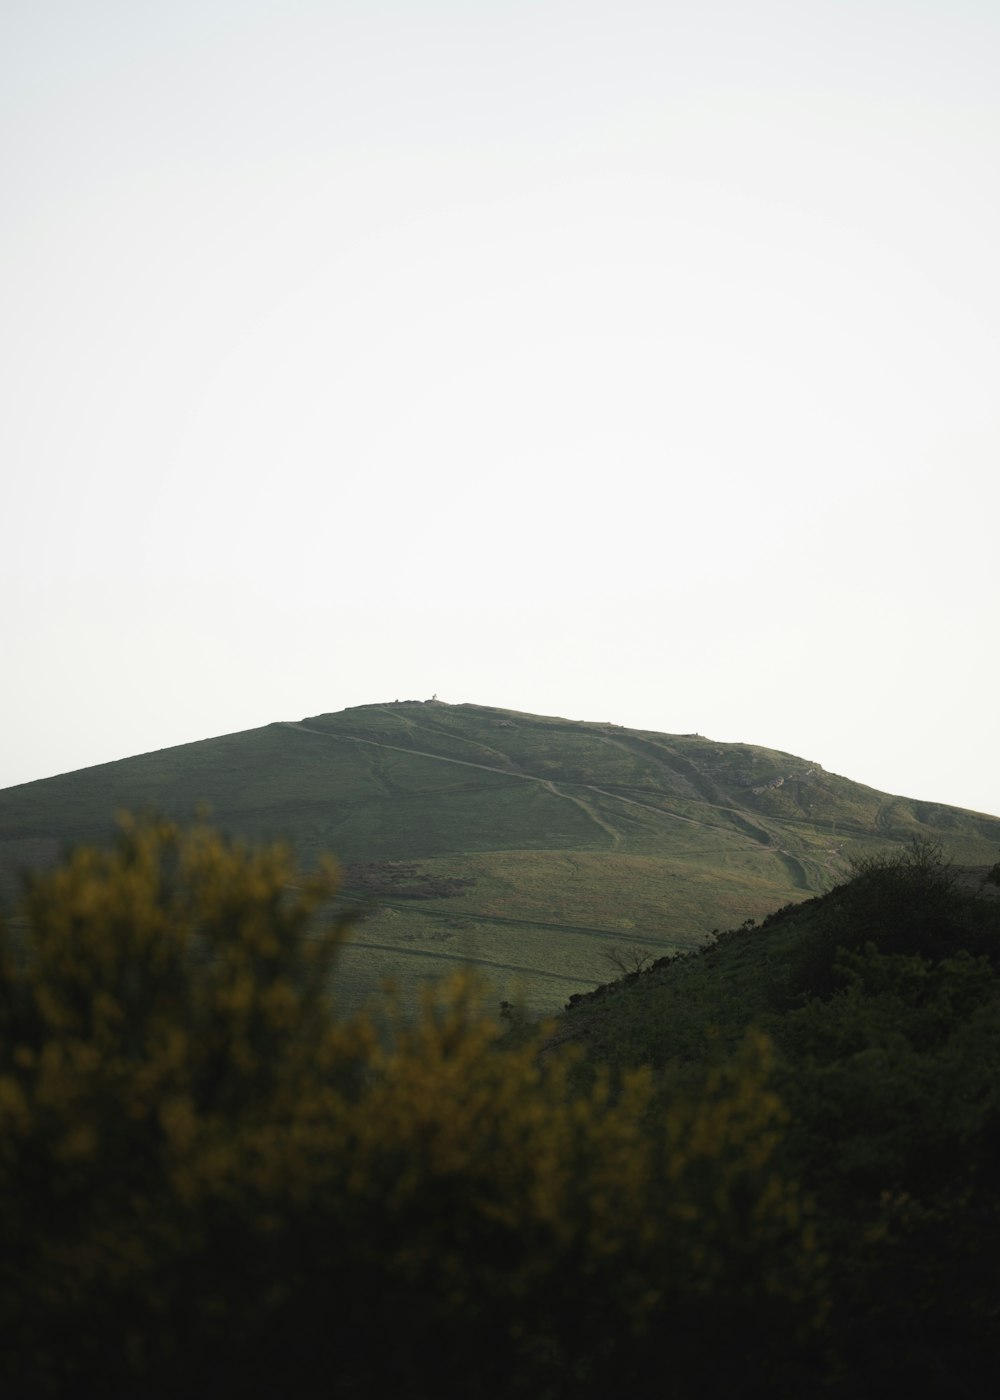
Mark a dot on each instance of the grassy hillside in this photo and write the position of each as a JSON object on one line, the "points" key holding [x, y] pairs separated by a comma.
{"points": [[523, 844]]}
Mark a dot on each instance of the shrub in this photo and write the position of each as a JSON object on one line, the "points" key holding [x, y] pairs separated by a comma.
{"points": [[906, 902], [210, 1184], [893, 1090]]}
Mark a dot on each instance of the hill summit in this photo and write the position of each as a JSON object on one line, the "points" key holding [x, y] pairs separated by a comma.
{"points": [[532, 846]]}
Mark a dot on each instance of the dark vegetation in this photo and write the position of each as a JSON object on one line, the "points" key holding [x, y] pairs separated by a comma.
{"points": [[766, 1169], [398, 879], [881, 1001]]}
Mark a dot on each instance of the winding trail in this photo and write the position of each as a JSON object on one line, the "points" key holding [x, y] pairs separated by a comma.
{"points": [[465, 959], [760, 834], [584, 805], [401, 748], [661, 811], [504, 758], [614, 836]]}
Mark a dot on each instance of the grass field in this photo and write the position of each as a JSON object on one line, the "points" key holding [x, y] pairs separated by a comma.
{"points": [[522, 844]]}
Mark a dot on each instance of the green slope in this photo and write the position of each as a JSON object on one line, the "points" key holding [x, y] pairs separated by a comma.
{"points": [[524, 844]]}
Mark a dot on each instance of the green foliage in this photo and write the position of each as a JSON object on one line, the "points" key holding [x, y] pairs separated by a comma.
{"points": [[211, 1185], [161, 1017], [898, 1069], [900, 901]]}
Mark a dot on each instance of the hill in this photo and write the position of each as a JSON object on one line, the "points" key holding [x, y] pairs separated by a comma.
{"points": [[523, 844]]}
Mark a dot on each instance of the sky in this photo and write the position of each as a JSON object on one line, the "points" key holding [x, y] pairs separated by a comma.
{"points": [[624, 361]]}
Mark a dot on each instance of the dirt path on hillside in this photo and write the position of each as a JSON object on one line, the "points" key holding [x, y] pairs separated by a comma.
{"points": [[615, 836], [584, 805], [465, 959], [401, 748], [512, 767], [661, 811], [683, 768]]}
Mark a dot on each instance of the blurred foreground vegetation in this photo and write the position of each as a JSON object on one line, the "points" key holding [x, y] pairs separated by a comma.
{"points": [[210, 1184]]}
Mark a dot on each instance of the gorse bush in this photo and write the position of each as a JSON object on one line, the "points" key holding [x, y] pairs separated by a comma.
{"points": [[162, 1012], [211, 1184]]}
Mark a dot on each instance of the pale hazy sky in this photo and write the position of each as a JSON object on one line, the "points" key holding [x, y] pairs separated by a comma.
{"points": [[625, 361]]}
